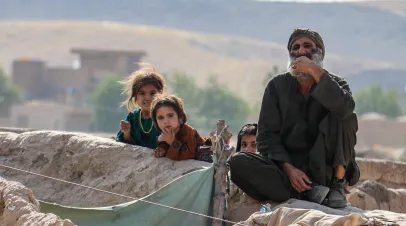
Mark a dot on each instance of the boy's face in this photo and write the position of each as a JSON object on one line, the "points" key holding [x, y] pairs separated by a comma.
{"points": [[248, 143]]}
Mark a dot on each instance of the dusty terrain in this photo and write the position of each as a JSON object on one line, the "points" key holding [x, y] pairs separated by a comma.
{"points": [[133, 171], [89, 160], [19, 207]]}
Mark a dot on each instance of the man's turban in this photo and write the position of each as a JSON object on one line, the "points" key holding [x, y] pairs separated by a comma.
{"points": [[313, 35]]}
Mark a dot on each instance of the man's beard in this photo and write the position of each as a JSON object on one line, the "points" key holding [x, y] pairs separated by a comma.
{"points": [[316, 56]]}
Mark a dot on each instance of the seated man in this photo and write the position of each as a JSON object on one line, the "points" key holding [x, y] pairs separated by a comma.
{"points": [[306, 133]]}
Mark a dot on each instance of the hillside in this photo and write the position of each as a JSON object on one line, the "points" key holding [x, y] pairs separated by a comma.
{"points": [[387, 78], [240, 63], [394, 6], [349, 29]]}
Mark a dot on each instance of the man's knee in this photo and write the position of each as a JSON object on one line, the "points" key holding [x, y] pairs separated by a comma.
{"points": [[282, 196]]}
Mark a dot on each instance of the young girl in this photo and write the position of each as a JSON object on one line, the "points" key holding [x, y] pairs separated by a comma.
{"points": [[247, 138], [138, 128], [178, 140]]}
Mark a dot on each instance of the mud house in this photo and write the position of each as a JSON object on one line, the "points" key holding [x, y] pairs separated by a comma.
{"points": [[62, 84], [65, 91], [377, 129]]}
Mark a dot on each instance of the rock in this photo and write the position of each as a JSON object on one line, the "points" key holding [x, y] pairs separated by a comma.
{"points": [[88, 160], [371, 195], [20, 208], [299, 212], [312, 216], [389, 173]]}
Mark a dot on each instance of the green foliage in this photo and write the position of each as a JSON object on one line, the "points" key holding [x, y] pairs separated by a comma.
{"points": [[275, 71], [375, 99], [404, 142], [204, 106], [186, 88], [106, 101], [10, 94]]}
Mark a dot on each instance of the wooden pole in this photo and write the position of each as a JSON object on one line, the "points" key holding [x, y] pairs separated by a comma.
{"points": [[221, 151]]}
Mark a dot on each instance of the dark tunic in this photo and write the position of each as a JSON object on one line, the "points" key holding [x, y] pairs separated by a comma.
{"points": [[289, 123], [314, 133]]}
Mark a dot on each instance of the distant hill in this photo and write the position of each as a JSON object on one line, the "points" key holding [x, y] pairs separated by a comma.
{"points": [[353, 30], [240, 63], [394, 6], [388, 78]]}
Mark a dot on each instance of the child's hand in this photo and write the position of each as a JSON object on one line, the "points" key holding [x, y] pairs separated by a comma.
{"points": [[167, 135], [159, 152], [125, 126]]}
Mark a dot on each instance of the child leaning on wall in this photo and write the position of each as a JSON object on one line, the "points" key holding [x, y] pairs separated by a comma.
{"points": [[178, 140], [141, 87]]}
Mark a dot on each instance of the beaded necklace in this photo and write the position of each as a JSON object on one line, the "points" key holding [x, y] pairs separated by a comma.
{"points": [[142, 127]]}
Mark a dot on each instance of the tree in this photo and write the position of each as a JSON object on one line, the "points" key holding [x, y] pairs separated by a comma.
{"points": [[275, 71], [218, 102], [375, 99], [106, 100], [9, 94], [204, 106], [404, 142], [185, 87]]}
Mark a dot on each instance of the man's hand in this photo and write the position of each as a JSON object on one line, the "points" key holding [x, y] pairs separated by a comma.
{"points": [[307, 66], [297, 178]]}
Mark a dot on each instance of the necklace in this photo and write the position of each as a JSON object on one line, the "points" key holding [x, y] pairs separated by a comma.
{"points": [[142, 127]]}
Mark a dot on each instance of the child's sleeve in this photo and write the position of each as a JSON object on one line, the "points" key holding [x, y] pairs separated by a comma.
{"points": [[162, 146], [179, 151], [203, 149], [120, 135]]}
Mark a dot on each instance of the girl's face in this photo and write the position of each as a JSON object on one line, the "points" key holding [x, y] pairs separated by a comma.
{"points": [[145, 96], [168, 119], [248, 143]]}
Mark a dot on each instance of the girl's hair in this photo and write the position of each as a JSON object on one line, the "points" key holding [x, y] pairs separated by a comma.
{"points": [[248, 129], [144, 76], [168, 101]]}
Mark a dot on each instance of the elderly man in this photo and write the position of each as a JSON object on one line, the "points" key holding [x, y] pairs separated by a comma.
{"points": [[306, 133]]}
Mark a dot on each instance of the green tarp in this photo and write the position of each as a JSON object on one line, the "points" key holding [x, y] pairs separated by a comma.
{"points": [[191, 192]]}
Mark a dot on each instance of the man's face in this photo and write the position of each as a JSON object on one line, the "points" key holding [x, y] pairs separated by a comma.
{"points": [[303, 47]]}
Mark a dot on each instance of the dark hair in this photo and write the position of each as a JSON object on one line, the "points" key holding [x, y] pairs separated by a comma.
{"points": [[248, 129], [168, 101]]}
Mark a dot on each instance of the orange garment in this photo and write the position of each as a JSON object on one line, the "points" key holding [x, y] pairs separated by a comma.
{"points": [[187, 141]]}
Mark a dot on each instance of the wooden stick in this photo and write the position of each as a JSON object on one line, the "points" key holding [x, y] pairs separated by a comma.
{"points": [[222, 150]]}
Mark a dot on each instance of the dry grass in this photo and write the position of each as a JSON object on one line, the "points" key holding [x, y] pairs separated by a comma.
{"points": [[240, 63]]}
